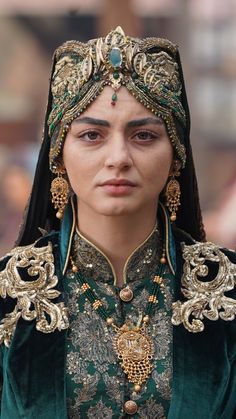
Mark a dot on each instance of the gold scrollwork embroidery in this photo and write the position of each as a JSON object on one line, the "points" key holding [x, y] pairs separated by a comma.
{"points": [[33, 297], [205, 298]]}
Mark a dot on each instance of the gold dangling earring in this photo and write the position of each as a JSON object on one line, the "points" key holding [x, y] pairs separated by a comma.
{"points": [[173, 193], [60, 191]]}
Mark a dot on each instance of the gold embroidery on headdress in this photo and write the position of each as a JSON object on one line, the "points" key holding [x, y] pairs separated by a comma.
{"points": [[205, 298], [33, 297], [147, 68]]}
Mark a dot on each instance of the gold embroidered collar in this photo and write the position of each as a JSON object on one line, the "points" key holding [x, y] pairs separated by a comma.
{"points": [[68, 229], [141, 263]]}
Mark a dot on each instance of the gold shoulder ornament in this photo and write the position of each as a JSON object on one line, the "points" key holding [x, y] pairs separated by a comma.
{"points": [[33, 296], [205, 298]]}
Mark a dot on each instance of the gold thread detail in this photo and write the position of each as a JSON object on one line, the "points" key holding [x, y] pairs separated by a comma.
{"points": [[85, 287], [158, 279], [33, 297], [205, 299], [152, 299], [96, 304]]}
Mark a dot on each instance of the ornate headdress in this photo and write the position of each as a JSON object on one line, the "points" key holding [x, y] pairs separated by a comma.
{"points": [[147, 68], [151, 70]]}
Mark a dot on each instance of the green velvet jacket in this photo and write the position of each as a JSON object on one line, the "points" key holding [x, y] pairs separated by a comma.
{"points": [[34, 327]]}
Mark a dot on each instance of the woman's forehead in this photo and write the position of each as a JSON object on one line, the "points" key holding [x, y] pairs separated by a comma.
{"points": [[127, 106]]}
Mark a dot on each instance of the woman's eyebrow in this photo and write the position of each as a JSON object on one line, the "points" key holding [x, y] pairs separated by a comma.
{"points": [[92, 121], [144, 121], [130, 124]]}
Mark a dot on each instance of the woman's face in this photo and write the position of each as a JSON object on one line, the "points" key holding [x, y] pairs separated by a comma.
{"points": [[117, 157]]}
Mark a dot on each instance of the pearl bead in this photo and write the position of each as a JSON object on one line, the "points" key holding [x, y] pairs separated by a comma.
{"points": [[137, 388], [146, 319], [59, 214], [173, 217]]}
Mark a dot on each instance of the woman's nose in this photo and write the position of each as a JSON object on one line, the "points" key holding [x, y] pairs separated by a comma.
{"points": [[118, 153]]}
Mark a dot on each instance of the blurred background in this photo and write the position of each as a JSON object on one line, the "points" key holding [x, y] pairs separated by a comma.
{"points": [[205, 31]]}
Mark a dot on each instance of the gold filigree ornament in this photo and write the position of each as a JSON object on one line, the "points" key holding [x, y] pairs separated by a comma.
{"points": [[135, 352], [33, 297], [205, 298], [60, 193]]}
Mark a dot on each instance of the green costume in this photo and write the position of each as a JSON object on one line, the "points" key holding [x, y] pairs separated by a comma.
{"points": [[73, 345], [71, 371]]}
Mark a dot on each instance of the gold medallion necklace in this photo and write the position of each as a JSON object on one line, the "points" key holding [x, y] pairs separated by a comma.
{"points": [[131, 343]]}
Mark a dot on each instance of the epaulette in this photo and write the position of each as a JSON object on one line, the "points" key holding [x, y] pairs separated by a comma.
{"points": [[29, 278], [208, 273]]}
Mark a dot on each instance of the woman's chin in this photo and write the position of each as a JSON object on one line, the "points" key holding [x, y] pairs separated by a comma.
{"points": [[116, 210]]}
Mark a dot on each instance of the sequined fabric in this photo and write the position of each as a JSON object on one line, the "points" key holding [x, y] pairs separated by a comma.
{"points": [[96, 384]]}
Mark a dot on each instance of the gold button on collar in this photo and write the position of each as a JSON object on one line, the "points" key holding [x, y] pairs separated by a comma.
{"points": [[126, 294], [130, 407]]}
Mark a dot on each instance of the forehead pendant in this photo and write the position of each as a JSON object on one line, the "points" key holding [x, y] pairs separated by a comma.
{"points": [[115, 59]]}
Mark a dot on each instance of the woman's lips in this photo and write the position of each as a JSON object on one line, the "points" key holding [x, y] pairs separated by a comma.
{"points": [[118, 182], [118, 187]]}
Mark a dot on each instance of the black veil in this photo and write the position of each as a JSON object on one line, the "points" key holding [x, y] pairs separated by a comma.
{"points": [[40, 214]]}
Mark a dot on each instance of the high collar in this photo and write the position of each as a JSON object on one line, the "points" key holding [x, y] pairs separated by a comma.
{"points": [[68, 228], [93, 262]]}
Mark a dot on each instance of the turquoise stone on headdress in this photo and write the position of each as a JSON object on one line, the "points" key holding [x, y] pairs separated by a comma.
{"points": [[115, 57]]}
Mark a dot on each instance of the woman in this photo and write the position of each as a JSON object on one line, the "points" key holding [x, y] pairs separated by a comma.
{"points": [[88, 326]]}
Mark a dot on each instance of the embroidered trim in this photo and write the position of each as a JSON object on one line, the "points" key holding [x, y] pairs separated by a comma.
{"points": [[205, 298], [33, 296]]}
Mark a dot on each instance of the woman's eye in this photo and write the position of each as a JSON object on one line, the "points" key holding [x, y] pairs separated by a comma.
{"points": [[145, 135], [90, 136]]}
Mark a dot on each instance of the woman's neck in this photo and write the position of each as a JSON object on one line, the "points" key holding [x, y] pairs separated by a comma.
{"points": [[116, 236]]}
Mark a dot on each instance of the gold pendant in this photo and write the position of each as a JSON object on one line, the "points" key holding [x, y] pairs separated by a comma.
{"points": [[135, 352]]}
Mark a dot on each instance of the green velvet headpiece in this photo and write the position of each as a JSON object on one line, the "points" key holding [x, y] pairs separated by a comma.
{"points": [[146, 67]]}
